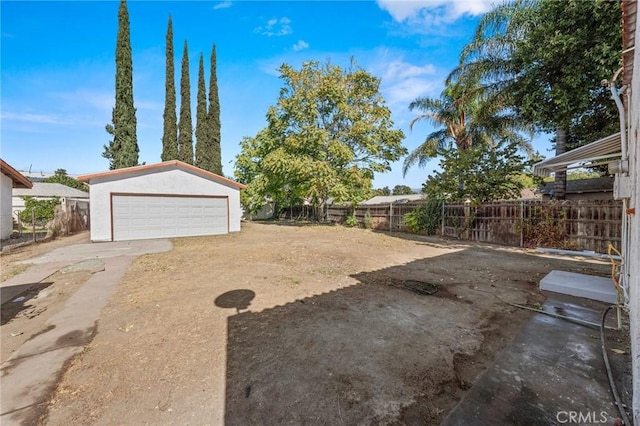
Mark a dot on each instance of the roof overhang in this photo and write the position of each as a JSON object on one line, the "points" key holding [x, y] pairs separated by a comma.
{"points": [[19, 181], [608, 147]]}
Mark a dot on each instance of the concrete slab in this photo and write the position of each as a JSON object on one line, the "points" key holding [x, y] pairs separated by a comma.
{"points": [[552, 368], [33, 369], [580, 285], [81, 252]]}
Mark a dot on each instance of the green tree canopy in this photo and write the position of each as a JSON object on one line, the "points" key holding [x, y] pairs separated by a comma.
{"points": [[402, 190], [170, 128], [382, 191], [203, 144], [60, 176], [464, 119], [329, 132], [215, 138], [546, 59], [185, 126], [122, 150], [481, 174]]}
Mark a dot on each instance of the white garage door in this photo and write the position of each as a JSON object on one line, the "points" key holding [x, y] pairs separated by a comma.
{"points": [[138, 217]]}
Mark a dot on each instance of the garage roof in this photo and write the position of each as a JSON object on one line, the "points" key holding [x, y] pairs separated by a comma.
{"points": [[607, 147], [19, 181], [165, 165]]}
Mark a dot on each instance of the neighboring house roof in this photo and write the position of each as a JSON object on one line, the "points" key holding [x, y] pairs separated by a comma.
{"points": [[40, 176], [529, 194], [19, 181], [46, 190], [166, 165], [580, 186], [397, 199]]}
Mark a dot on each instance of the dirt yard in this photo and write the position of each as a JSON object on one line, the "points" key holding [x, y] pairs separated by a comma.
{"points": [[298, 325]]}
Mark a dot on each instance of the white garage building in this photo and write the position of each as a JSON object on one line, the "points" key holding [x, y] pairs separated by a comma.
{"points": [[163, 200]]}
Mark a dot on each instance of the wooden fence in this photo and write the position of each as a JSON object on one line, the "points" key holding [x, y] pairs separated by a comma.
{"points": [[585, 225]]}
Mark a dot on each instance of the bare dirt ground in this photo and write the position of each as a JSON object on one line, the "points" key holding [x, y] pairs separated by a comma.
{"points": [[301, 325]]}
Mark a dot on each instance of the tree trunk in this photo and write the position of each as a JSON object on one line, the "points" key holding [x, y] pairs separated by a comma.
{"points": [[560, 185]]}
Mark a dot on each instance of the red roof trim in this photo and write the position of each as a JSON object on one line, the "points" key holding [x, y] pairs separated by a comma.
{"points": [[166, 164], [19, 181]]}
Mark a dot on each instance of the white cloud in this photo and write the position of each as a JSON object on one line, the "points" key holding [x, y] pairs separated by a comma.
{"points": [[46, 119], [433, 11], [403, 92], [399, 70], [275, 27], [403, 81], [222, 5], [33, 118], [300, 45], [82, 99]]}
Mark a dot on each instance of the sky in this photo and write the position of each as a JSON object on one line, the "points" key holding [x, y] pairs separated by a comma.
{"points": [[57, 68]]}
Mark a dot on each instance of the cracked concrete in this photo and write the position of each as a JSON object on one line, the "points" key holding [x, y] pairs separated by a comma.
{"points": [[33, 370]]}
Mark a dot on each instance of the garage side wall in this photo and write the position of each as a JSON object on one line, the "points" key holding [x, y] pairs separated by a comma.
{"points": [[6, 190], [167, 182]]}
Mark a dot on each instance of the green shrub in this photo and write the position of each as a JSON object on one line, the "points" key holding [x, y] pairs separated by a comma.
{"points": [[352, 220], [427, 217], [44, 209], [367, 219]]}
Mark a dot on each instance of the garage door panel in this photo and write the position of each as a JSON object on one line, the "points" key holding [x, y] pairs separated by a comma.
{"points": [[146, 216]]}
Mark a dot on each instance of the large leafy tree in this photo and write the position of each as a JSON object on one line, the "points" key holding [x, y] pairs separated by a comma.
{"points": [[214, 118], [329, 132], [170, 133], [203, 145], [547, 59], [122, 150], [462, 119], [185, 126]]}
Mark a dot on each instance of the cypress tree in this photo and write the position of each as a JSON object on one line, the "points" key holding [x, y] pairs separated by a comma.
{"points": [[185, 127], [122, 150], [203, 148], [170, 134], [214, 118]]}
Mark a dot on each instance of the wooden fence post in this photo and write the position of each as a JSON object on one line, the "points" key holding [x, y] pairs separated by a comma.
{"points": [[442, 220], [390, 217], [33, 222], [521, 223]]}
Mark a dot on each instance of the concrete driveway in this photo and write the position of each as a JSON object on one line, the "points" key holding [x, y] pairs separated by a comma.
{"points": [[32, 371]]}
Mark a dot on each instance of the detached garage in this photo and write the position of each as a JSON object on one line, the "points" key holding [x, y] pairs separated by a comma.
{"points": [[163, 200]]}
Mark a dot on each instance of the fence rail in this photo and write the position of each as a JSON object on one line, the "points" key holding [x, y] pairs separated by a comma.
{"points": [[586, 224]]}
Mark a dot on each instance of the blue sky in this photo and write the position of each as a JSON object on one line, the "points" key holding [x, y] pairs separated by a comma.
{"points": [[57, 67]]}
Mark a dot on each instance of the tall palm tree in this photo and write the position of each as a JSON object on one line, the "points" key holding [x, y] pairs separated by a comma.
{"points": [[463, 119], [546, 60]]}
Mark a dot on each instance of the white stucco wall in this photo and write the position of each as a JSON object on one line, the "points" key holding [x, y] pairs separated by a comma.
{"points": [[166, 182], [633, 256], [6, 189]]}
